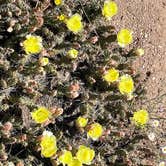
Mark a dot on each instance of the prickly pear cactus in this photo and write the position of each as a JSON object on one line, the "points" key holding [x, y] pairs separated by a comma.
{"points": [[66, 79]]}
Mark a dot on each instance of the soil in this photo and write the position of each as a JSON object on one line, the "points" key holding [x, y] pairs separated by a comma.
{"points": [[147, 20]]}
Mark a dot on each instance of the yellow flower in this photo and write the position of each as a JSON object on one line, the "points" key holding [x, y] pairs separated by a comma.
{"points": [[32, 44], [62, 17], [72, 54], [85, 155], [95, 131], [75, 162], [110, 9], [81, 121], [66, 157], [48, 145], [111, 75], [124, 37], [41, 115], [43, 61], [58, 2], [140, 117], [126, 85], [74, 23]]}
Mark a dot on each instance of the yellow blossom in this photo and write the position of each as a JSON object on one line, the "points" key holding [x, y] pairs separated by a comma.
{"points": [[74, 23], [41, 115], [111, 75], [75, 162], [72, 53], [126, 85], [32, 44], [81, 121], [62, 17], [43, 61], [85, 155], [58, 2], [66, 157], [110, 9], [95, 131], [48, 145], [140, 118], [124, 37]]}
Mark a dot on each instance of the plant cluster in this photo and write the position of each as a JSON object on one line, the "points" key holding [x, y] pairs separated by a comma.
{"points": [[67, 85]]}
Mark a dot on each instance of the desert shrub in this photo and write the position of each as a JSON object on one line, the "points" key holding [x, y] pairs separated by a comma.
{"points": [[67, 85]]}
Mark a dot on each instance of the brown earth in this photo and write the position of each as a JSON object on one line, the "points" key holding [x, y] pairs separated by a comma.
{"points": [[147, 20]]}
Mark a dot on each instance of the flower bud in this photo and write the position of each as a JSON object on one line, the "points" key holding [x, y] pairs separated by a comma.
{"points": [[94, 39], [7, 127], [139, 52]]}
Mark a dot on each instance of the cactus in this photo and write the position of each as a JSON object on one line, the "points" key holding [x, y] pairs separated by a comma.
{"points": [[68, 87]]}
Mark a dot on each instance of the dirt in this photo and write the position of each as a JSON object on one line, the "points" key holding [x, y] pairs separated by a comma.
{"points": [[147, 20]]}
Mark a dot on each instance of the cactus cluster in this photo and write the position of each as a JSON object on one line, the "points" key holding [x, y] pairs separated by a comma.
{"points": [[69, 87]]}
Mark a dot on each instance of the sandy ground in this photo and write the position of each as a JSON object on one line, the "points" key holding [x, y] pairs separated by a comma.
{"points": [[147, 19]]}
